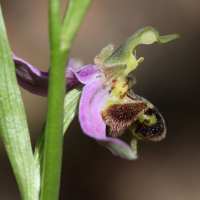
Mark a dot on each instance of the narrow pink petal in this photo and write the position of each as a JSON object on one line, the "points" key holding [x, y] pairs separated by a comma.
{"points": [[31, 78], [119, 148], [36, 81], [86, 73]]}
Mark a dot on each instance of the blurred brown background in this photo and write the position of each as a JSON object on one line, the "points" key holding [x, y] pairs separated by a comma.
{"points": [[169, 78]]}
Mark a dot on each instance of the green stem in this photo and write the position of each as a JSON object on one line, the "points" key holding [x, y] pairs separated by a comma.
{"points": [[13, 124], [71, 103], [60, 43], [54, 122]]}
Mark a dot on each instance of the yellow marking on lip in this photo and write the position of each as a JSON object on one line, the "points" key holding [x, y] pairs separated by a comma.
{"points": [[118, 92], [152, 119]]}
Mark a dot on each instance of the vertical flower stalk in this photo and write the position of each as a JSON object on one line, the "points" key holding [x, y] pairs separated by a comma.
{"points": [[54, 125], [61, 37]]}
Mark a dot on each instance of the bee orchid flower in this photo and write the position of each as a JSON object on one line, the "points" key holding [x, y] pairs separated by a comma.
{"points": [[107, 98]]}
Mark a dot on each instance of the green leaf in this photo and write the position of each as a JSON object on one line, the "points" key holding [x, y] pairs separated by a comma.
{"points": [[71, 104], [13, 124], [76, 10]]}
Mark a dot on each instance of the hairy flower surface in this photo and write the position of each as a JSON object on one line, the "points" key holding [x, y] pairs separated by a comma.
{"points": [[107, 98]]}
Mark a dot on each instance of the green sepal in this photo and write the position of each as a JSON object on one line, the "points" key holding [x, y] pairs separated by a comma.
{"points": [[124, 55], [111, 72], [104, 54]]}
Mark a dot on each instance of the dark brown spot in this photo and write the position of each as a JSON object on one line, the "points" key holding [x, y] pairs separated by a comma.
{"points": [[123, 95], [113, 87], [146, 121], [125, 84], [119, 116]]}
